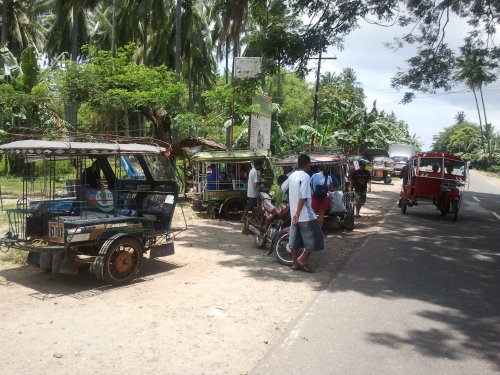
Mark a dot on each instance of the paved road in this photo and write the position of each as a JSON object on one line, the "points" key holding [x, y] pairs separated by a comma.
{"points": [[422, 296]]}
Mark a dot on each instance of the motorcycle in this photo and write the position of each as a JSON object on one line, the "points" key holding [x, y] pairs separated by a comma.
{"points": [[266, 220], [280, 246]]}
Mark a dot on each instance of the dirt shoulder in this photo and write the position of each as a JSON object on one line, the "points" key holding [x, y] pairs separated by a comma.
{"points": [[214, 307]]}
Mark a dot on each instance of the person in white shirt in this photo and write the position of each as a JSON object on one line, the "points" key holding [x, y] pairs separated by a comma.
{"points": [[254, 182], [305, 231]]}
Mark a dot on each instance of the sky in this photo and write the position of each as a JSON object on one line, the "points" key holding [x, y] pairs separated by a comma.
{"points": [[375, 65]]}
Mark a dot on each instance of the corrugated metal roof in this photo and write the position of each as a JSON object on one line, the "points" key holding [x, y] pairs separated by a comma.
{"points": [[35, 147]]}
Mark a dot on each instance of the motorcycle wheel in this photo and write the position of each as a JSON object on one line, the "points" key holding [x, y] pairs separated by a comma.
{"points": [[454, 210], [260, 242], [387, 180], [281, 248]]}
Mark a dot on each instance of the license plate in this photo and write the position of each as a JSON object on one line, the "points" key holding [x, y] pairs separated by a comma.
{"points": [[56, 232]]}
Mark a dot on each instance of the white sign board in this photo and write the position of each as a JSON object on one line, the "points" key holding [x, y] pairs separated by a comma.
{"points": [[260, 132], [247, 67]]}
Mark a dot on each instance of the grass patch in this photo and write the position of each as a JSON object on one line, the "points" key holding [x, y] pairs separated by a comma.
{"points": [[14, 256]]}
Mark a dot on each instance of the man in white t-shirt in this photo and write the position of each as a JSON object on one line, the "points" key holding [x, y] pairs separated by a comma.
{"points": [[305, 231], [254, 183]]}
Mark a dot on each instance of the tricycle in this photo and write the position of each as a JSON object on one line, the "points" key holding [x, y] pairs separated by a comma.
{"points": [[341, 206], [435, 177], [220, 180], [382, 169], [104, 223]]}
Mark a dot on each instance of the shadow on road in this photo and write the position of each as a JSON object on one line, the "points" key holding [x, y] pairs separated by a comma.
{"points": [[46, 285], [454, 266]]}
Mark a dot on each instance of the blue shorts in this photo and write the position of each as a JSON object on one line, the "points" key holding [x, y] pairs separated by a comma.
{"points": [[307, 235], [251, 203]]}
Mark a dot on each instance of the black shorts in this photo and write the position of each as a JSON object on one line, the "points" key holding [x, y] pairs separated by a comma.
{"points": [[251, 203]]}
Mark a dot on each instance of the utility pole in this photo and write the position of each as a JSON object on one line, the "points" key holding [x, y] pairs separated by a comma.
{"points": [[316, 91]]}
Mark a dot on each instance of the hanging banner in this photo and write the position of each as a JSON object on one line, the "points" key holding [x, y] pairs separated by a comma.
{"points": [[247, 67], [260, 123]]}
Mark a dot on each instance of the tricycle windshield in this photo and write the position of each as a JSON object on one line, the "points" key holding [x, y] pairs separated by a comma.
{"points": [[454, 167], [127, 167], [431, 165], [378, 164], [161, 169]]}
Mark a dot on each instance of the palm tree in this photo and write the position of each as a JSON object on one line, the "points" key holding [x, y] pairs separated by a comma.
{"points": [[474, 69], [70, 27], [22, 25], [231, 17]]}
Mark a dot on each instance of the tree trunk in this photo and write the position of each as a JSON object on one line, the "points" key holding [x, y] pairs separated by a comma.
{"points": [[113, 27], [190, 80], [145, 39], [480, 119], [71, 108], [487, 127], [162, 123], [178, 38], [5, 22], [127, 125], [227, 59]]}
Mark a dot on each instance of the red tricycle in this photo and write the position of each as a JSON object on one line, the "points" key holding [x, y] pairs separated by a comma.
{"points": [[436, 177]]}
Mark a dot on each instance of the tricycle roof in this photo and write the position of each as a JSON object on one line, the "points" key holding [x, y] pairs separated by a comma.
{"points": [[228, 156], [40, 148], [316, 159], [438, 155]]}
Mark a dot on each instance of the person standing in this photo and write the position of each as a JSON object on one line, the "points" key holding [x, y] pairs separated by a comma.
{"points": [[254, 182], [321, 201], [360, 182], [305, 231]]}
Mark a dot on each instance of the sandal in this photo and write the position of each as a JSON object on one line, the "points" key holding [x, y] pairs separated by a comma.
{"points": [[305, 268]]}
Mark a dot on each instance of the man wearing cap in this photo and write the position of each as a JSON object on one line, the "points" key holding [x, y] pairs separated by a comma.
{"points": [[360, 183]]}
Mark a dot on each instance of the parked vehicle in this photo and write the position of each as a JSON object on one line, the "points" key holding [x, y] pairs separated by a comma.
{"points": [[220, 180], [382, 169], [336, 165], [267, 219], [435, 177], [107, 227], [280, 247], [400, 153], [370, 153]]}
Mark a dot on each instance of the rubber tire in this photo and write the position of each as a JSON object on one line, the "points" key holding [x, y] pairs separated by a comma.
{"points": [[212, 211], [403, 208], [280, 248], [349, 221], [387, 180], [260, 242], [454, 210], [233, 209], [111, 248]]}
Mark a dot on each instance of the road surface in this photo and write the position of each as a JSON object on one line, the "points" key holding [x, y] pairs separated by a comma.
{"points": [[422, 296]]}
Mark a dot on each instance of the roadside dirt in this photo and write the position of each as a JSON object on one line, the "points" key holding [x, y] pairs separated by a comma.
{"points": [[214, 307]]}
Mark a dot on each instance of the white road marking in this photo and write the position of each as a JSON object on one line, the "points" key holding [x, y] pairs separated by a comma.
{"points": [[496, 215], [476, 199]]}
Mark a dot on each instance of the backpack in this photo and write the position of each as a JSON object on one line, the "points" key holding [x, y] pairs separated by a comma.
{"points": [[321, 191]]}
